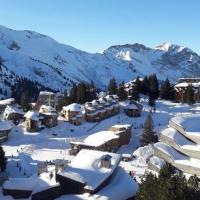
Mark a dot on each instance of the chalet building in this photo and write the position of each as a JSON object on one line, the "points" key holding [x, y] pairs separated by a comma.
{"points": [[49, 116], [73, 113], [5, 128], [32, 121], [89, 172], [102, 108], [133, 109], [49, 98], [6, 102], [109, 140], [124, 132], [14, 113], [182, 85]]}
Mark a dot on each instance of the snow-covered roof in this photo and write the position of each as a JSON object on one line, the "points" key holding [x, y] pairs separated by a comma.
{"points": [[7, 101], [32, 115], [86, 168], [99, 138], [176, 156], [179, 139], [189, 122], [13, 109], [47, 110], [185, 84], [75, 107], [46, 93], [33, 183], [119, 126], [5, 125], [121, 187]]}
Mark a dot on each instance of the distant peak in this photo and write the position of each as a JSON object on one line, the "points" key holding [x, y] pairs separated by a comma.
{"points": [[170, 47]]}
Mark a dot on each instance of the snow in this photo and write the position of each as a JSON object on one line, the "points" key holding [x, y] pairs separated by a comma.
{"points": [[32, 115], [99, 138], [5, 125], [181, 140], [13, 109], [190, 123], [74, 107], [158, 162], [176, 156], [86, 168], [7, 101], [121, 187]]}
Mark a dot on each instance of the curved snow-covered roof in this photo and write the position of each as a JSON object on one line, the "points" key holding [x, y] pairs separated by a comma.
{"points": [[32, 115], [73, 107]]}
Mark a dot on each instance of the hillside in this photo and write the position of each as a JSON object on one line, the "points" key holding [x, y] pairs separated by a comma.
{"points": [[57, 66]]}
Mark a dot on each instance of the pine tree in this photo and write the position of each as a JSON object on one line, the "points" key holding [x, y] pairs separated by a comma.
{"points": [[73, 93], [138, 84], [153, 86], [122, 94], [81, 95], [151, 100], [3, 160], [112, 87], [135, 93], [165, 90], [149, 135], [24, 101], [189, 95], [145, 85]]}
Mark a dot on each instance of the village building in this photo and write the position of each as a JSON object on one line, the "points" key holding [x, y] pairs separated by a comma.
{"points": [[73, 113], [181, 87], [102, 108], [179, 144], [6, 102], [32, 121], [49, 116], [49, 98], [5, 128], [14, 113], [89, 171], [110, 140], [133, 108]]}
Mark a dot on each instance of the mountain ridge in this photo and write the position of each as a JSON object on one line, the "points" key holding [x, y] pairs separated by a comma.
{"points": [[58, 66]]}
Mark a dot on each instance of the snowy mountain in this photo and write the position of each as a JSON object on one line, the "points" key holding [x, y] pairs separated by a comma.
{"points": [[57, 66]]}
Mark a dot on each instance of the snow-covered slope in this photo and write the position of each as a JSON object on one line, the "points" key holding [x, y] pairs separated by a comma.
{"points": [[58, 66]]}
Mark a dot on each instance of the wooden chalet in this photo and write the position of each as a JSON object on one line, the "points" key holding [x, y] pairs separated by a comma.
{"points": [[6, 102], [73, 113], [181, 87], [102, 108], [32, 121], [5, 128], [49, 116], [89, 172], [133, 108]]}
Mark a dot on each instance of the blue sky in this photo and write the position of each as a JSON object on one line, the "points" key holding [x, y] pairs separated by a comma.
{"points": [[94, 25]]}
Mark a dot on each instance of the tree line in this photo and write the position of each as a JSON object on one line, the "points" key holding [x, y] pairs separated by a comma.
{"points": [[169, 184]]}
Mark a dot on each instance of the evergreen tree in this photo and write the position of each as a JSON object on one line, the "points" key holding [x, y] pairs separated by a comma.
{"points": [[169, 184], [189, 95], [24, 101], [145, 85], [112, 87], [138, 84], [73, 93], [149, 135], [165, 90], [91, 91], [135, 93], [122, 94], [3, 160], [81, 95], [153, 86], [151, 100]]}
